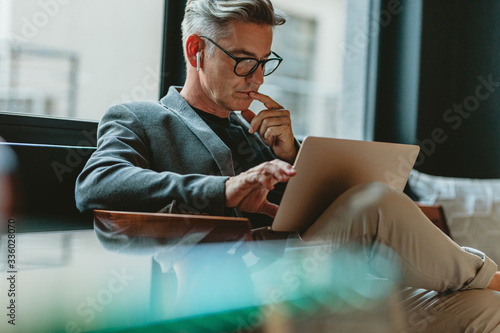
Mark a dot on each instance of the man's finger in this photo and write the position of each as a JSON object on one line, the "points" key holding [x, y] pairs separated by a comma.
{"points": [[266, 100], [273, 122], [283, 169], [268, 118], [269, 209], [267, 174]]}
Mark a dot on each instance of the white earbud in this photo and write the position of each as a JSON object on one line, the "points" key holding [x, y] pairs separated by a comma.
{"points": [[198, 61]]}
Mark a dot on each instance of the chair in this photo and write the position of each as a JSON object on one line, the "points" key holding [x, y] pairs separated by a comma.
{"points": [[218, 229], [435, 213], [44, 186]]}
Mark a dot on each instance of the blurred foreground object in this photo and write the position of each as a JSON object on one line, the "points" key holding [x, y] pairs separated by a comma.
{"points": [[200, 284], [7, 168]]}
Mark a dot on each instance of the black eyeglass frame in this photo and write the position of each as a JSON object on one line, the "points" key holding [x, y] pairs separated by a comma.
{"points": [[259, 62]]}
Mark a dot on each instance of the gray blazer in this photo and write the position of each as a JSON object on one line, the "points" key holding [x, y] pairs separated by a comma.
{"points": [[150, 155]]}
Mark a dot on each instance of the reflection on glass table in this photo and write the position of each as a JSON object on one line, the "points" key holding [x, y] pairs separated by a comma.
{"points": [[101, 281]]}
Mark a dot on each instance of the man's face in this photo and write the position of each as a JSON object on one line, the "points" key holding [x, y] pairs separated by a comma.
{"points": [[223, 89]]}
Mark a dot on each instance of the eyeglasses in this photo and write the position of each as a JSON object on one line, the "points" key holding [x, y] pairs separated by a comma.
{"points": [[246, 66]]}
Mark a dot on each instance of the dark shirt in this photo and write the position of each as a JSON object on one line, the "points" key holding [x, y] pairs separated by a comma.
{"points": [[246, 153]]}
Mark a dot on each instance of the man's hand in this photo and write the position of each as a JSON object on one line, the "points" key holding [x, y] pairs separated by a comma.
{"points": [[248, 190], [274, 127]]}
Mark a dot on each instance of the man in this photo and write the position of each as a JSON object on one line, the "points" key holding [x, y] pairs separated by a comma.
{"points": [[191, 152]]}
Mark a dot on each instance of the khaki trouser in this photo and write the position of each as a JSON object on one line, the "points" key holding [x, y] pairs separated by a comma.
{"points": [[452, 278]]}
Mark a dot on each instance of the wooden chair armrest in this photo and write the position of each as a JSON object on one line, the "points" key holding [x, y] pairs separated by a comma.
{"points": [[165, 226], [435, 213], [218, 228]]}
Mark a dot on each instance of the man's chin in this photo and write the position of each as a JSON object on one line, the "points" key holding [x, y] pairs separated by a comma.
{"points": [[241, 105], [244, 107]]}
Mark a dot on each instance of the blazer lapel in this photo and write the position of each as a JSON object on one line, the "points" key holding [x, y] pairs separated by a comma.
{"points": [[220, 152]]}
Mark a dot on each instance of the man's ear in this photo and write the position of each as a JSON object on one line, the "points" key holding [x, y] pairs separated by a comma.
{"points": [[194, 45]]}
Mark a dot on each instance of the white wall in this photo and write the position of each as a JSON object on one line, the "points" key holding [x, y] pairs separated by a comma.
{"points": [[118, 44], [5, 23]]}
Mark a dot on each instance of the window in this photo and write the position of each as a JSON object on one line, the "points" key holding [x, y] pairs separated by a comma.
{"points": [[321, 81], [74, 58]]}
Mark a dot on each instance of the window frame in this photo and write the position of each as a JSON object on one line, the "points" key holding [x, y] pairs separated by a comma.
{"points": [[173, 65]]}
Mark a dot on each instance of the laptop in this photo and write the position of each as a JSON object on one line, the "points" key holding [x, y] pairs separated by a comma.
{"points": [[327, 167]]}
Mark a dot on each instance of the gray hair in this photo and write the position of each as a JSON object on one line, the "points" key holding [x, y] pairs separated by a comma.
{"points": [[211, 17]]}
